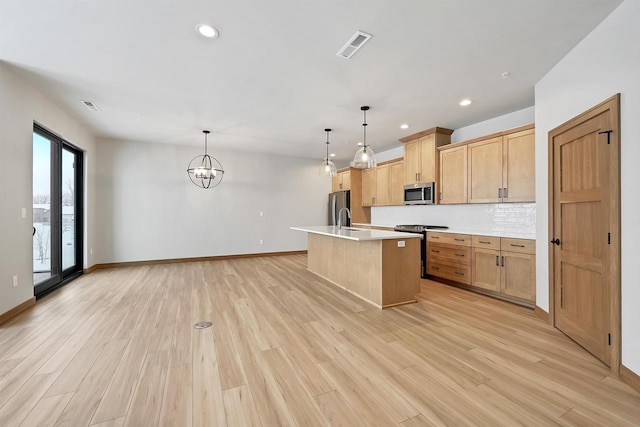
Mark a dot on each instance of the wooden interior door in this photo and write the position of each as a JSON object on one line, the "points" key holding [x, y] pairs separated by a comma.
{"points": [[585, 229]]}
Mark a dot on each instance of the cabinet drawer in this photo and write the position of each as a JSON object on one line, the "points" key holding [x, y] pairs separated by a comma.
{"points": [[522, 246], [449, 238], [461, 273], [485, 242], [454, 254]]}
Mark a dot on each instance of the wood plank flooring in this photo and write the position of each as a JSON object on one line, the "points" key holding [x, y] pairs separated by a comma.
{"points": [[117, 348]]}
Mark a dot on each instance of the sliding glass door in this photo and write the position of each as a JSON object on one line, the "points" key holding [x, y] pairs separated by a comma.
{"points": [[57, 211]]}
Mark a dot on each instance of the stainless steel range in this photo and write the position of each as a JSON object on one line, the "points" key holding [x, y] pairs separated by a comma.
{"points": [[421, 229]]}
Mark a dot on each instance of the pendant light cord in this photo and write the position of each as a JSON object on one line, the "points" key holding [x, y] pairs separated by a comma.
{"points": [[364, 127]]}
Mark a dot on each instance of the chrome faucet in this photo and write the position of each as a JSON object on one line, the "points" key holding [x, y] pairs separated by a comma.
{"points": [[340, 216]]}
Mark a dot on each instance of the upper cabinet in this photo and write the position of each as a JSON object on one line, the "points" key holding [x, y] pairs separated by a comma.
{"points": [[396, 183], [421, 154], [342, 181], [383, 185], [453, 176], [497, 168], [502, 169], [519, 166]]}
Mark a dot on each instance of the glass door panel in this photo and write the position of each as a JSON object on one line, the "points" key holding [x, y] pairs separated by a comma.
{"points": [[43, 268], [68, 210]]}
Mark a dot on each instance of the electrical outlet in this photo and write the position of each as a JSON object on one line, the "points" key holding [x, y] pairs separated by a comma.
{"points": [[401, 243], [91, 251], [15, 281], [261, 213], [261, 241]]}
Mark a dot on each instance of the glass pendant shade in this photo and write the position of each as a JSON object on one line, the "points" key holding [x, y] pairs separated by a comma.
{"points": [[364, 158], [328, 168], [205, 171]]}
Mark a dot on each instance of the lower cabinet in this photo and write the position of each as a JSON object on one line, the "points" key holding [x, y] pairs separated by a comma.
{"points": [[504, 267], [449, 256]]}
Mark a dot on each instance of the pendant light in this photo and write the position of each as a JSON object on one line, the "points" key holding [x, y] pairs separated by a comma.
{"points": [[365, 158], [205, 171], [328, 168]]}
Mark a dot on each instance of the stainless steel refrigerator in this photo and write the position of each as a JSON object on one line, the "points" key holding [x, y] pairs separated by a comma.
{"points": [[337, 201]]}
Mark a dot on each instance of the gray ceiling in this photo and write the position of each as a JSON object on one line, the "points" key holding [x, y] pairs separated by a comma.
{"points": [[272, 81]]}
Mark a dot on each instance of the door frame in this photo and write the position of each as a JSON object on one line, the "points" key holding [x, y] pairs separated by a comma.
{"points": [[613, 278]]}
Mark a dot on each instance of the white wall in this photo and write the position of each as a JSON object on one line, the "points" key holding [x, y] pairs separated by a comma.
{"points": [[606, 62], [20, 106], [497, 124], [149, 209]]}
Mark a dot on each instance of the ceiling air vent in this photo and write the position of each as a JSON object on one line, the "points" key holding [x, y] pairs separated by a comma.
{"points": [[355, 42], [90, 105]]}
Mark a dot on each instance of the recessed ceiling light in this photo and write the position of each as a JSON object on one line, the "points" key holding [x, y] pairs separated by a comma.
{"points": [[207, 31], [332, 155], [505, 75], [404, 126], [465, 102]]}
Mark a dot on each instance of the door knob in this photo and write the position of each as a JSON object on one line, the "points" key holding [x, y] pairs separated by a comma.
{"points": [[556, 242]]}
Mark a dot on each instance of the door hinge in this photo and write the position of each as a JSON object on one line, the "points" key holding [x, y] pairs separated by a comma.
{"points": [[609, 339], [608, 238], [608, 132]]}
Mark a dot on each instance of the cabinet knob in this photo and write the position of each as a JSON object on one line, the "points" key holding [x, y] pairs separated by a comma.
{"points": [[556, 242]]}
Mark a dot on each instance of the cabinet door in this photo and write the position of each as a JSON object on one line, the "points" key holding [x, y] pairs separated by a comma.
{"points": [[396, 184], [519, 275], [485, 171], [518, 171], [346, 180], [485, 269], [411, 162], [428, 153], [335, 183], [453, 175], [381, 192], [368, 187]]}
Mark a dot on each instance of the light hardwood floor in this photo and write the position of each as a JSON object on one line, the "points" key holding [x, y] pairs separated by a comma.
{"points": [[117, 347]]}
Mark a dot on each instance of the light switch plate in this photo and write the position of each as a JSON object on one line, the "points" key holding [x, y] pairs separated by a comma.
{"points": [[24, 212]]}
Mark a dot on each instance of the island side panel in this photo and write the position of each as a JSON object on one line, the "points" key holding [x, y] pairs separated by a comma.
{"points": [[353, 265], [400, 271]]}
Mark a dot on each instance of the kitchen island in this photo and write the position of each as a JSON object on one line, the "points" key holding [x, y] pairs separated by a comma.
{"points": [[380, 267]]}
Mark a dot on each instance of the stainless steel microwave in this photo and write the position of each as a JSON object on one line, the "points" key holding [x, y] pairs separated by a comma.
{"points": [[420, 194]]}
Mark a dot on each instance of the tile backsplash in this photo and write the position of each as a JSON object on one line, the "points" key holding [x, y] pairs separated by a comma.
{"points": [[498, 217]]}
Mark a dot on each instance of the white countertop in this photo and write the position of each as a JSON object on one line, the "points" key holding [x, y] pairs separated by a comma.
{"points": [[490, 233], [351, 233]]}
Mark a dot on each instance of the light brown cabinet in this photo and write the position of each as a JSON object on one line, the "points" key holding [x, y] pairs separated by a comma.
{"points": [[505, 266], [342, 181], [421, 155], [453, 175], [449, 256], [381, 193], [383, 185], [368, 187], [502, 169], [396, 183]]}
